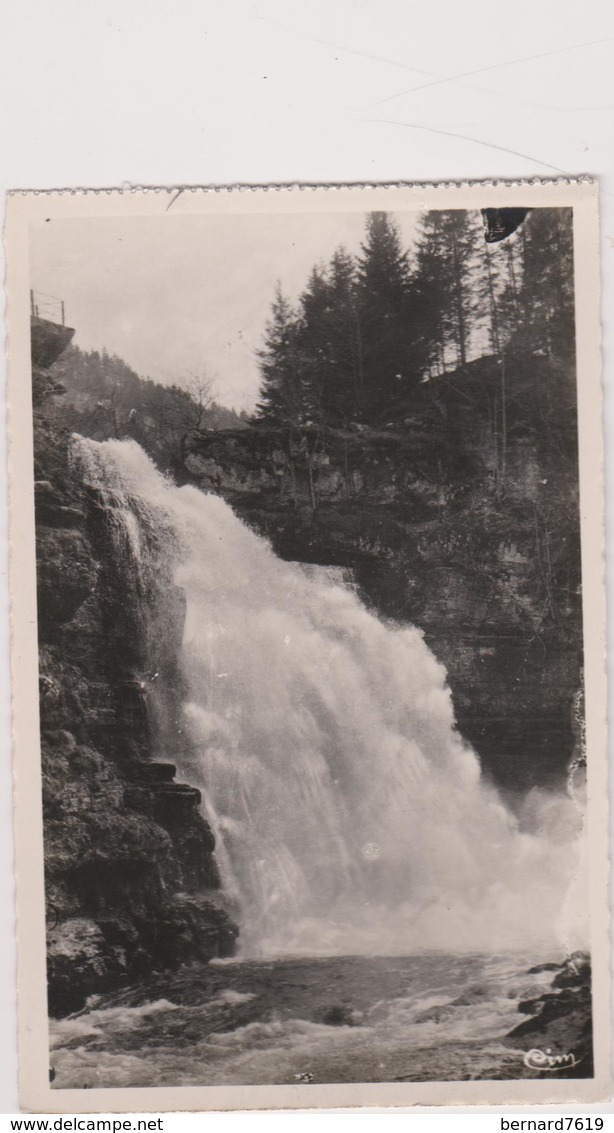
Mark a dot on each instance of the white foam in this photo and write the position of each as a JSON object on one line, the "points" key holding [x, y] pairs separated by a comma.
{"points": [[331, 731]]}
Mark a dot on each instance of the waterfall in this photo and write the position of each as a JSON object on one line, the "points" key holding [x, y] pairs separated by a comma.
{"points": [[350, 816]]}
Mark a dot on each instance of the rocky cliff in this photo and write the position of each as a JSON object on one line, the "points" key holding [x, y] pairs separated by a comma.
{"points": [[131, 878], [451, 521], [447, 516]]}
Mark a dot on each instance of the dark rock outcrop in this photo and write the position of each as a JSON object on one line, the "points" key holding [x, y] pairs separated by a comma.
{"points": [[47, 341], [132, 882], [560, 1020]]}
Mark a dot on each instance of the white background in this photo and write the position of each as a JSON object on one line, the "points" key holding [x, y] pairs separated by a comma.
{"points": [[97, 93]]}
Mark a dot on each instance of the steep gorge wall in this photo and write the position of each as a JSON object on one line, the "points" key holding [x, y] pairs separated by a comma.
{"points": [[131, 879], [418, 509], [489, 571]]}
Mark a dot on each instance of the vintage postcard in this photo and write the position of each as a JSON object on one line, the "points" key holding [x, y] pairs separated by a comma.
{"points": [[309, 647]]}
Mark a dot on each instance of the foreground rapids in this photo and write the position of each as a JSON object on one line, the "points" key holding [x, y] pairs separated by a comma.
{"points": [[337, 1019]]}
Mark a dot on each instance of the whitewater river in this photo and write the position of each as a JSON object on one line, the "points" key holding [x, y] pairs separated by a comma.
{"points": [[333, 1019]]}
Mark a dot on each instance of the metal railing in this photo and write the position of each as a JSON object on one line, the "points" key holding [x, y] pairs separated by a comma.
{"points": [[47, 307]]}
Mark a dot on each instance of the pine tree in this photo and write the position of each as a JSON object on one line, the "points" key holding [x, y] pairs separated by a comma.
{"points": [[461, 228], [544, 341], [313, 341], [329, 338], [282, 400], [349, 362], [388, 363], [432, 284], [446, 254], [545, 294], [491, 280], [496, 311], [510, 259]]}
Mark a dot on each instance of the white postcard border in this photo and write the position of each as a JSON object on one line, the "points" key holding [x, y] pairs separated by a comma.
{"points": [[25, 208]]}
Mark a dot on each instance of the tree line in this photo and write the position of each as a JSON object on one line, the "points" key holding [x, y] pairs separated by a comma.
{"points": [[369, 329], [104, 398]]}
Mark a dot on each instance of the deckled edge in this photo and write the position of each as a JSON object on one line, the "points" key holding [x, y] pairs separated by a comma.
{"points": [[305, 186]]}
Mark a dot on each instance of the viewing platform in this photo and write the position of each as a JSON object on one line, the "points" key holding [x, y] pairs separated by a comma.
{"points": [[49, 335]]}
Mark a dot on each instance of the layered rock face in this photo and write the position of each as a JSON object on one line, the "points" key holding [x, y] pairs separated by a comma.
{"points": [[131, 879], [468, 534]]}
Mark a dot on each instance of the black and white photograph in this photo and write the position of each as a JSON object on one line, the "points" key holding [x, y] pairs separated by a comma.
{"points": [[319, 796]]}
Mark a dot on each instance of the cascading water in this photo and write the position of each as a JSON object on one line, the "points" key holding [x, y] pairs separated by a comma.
{"points": [[349, 815]]}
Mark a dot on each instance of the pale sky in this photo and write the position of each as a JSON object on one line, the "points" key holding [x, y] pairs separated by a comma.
{"points": [[175, 296]]}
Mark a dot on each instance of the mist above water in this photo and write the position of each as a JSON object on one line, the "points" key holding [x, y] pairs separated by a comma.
{"points": [[349, 814]]}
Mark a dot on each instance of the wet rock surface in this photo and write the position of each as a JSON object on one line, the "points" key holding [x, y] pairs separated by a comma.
{"points": [[132, 883]]}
